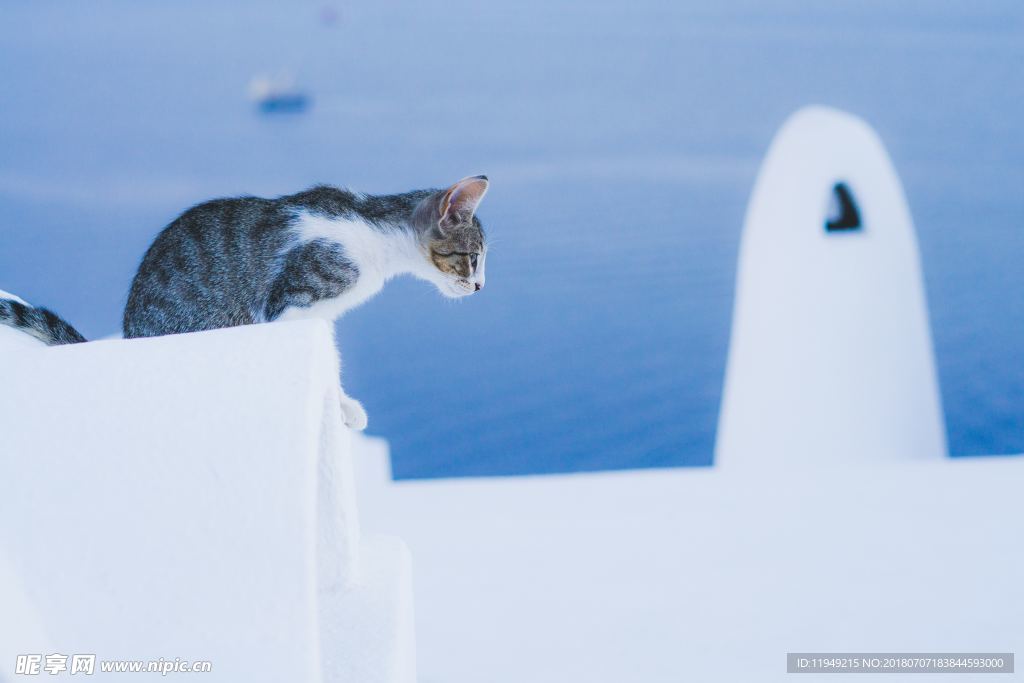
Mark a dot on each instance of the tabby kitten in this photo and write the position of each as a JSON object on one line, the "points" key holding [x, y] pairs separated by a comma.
{"points": [[317, 253]]}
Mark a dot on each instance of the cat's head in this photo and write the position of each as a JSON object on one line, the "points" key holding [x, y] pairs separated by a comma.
{"points": [[452, 239]]}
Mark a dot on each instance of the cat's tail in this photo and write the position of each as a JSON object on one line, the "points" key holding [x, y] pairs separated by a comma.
{"points": [[41, 323]]}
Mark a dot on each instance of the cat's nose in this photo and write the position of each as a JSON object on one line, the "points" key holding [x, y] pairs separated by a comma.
{"points": [[479, 286]]}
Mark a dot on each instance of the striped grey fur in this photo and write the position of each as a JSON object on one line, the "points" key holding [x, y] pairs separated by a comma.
{"points": [[317, 253], [245, 260], [41, 323]]}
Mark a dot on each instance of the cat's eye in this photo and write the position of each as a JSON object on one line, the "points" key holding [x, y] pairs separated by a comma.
{"points": [[472, 259]]}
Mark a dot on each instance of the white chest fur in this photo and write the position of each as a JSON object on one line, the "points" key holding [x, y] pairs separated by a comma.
{"points": [[377, 254]]}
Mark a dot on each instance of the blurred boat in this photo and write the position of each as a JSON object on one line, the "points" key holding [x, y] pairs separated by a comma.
{"points": [[278, 94], [329, 15]]}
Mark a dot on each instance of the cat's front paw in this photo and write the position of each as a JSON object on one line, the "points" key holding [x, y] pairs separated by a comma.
{"points": [[353, 413]]}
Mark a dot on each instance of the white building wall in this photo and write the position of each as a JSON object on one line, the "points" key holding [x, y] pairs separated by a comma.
{"points": [[830, 356], [192, 497]]}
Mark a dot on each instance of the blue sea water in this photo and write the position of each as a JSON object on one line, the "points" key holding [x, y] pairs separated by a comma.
{"points": [[622, 140]]}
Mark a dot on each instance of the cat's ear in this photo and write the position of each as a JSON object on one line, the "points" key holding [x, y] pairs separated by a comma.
{"points": [[459, 202]]}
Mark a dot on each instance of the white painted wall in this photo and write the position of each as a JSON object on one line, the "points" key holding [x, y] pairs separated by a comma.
{"points": [[708, 574], [192, 497], [830, 355]]}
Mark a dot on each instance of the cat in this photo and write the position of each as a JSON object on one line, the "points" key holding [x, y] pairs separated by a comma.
{"points": [[317, 253]]}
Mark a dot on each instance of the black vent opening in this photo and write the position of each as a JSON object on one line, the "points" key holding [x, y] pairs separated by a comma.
{"points": [[843, 215]]}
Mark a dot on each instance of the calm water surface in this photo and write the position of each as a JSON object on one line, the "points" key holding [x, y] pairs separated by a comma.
{"points": [[622, 141]]}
